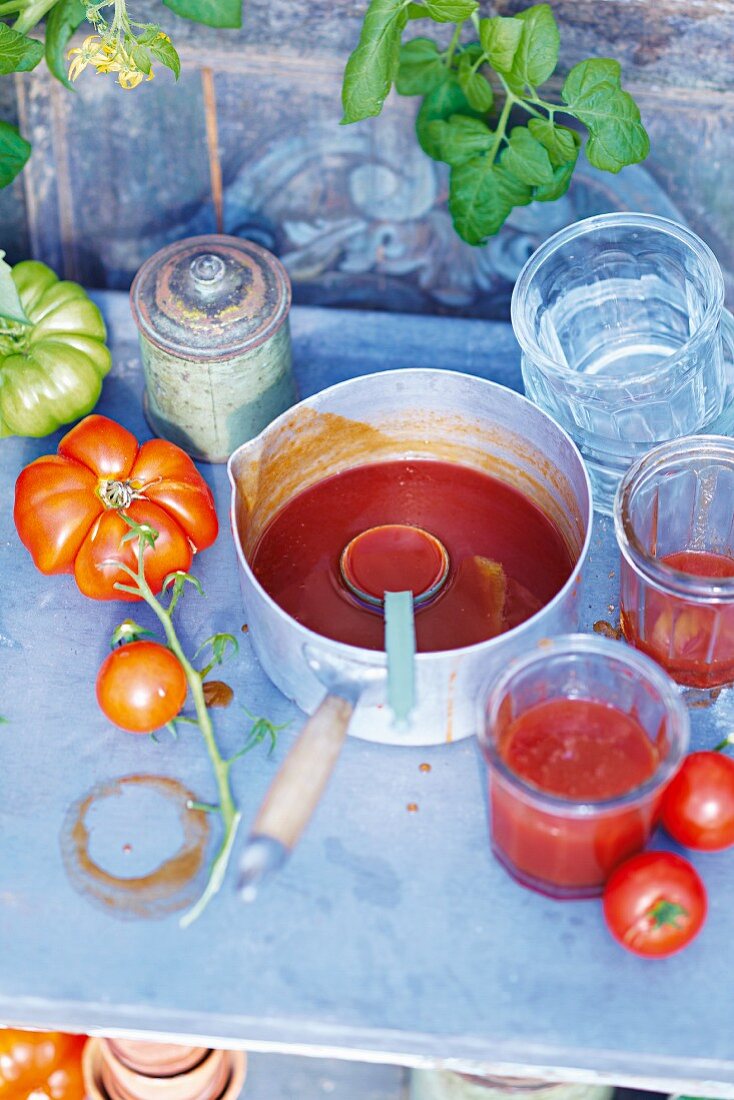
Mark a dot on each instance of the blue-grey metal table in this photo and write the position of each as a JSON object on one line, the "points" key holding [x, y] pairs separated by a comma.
{"points": [[392, 936]]}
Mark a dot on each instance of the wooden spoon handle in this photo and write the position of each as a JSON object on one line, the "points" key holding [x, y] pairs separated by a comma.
{"points": [[296, 790]]}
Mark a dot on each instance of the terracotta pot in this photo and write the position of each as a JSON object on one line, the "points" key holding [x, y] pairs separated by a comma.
{"points": [[156, 1059], [219, 1075]]}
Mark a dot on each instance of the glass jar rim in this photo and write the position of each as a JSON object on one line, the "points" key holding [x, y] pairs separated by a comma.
{"points": [[655, 571], [586, 226], [568, 645]]}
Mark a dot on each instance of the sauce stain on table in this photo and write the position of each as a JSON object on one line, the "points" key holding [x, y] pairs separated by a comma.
{"points": [[94, 822], [607, 630]]}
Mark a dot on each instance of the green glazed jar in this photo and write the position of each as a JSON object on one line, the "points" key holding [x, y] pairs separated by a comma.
{"points": [[215, 342]]}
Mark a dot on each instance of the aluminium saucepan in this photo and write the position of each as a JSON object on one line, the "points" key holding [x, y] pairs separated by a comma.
{"points": [[417, 413]]}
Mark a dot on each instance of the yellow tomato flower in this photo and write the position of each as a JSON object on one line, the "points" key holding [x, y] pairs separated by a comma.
{"points": [[91, 52], [130, 77], [108, 57]]}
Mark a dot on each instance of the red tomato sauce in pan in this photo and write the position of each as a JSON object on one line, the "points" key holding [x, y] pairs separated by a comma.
{"points": [[507, 559]]}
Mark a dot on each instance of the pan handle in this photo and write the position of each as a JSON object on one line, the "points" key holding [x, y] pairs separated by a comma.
{"points": [[295, 793]]}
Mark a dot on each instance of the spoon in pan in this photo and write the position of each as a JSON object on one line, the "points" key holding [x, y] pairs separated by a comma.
{"points": [[392, 570]]}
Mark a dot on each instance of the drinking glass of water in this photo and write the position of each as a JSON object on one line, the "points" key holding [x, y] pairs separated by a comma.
{"points": [[625, 339]]}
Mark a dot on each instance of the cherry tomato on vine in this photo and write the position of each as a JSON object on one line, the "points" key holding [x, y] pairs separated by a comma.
{"points": [[45, 1065], [654, 904], [698, 806], [141, 686]]}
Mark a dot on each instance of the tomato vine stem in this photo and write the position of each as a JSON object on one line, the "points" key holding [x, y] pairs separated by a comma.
{"points": [[226, 808]]}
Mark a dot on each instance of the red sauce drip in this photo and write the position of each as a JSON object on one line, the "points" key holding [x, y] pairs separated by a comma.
{"points": [[579, 749], [507, 558]]}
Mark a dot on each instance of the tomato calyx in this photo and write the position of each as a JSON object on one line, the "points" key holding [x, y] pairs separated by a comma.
{"points": [[116, 494], [661, 914], [129, 631], [666, 913], [14, 337]]}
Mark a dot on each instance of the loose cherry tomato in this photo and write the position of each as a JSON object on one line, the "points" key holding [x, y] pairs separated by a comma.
{"points": [[698, 806], [40, 1064], [141, 686], [69, 508], [654, 904]]}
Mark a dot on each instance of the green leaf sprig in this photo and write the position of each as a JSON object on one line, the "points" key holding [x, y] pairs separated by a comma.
{"points": [[469, 91]]}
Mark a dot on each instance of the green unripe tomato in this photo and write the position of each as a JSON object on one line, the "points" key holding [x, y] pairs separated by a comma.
{"points": [[51, 371]]}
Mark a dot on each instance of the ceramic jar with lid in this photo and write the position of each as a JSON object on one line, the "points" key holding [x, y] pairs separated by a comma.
{"points": [[444, 1085], [212, 313]]}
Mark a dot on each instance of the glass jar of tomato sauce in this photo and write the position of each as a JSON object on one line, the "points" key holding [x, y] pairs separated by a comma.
{"points": [[674, 522], [581, 736]]}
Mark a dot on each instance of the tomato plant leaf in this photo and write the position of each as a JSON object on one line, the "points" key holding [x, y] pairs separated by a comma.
{"points": [[620, 139], [563, 147], [493, 170], [559, 185], [141, 57], [475, 87], [500, 37], [61, 22], [450, 11], [587, 75], [537, 52], [481, 195], [14, 153], [421, 68], [445, 100], [616, 134], [18, 52], [164, 51], [10, 304], [561, 143], [461, 137], [373, 65], [213, 13], [526, 159]]}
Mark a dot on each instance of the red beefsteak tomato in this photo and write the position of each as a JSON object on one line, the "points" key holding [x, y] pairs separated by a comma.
{"points": [[69, 507]]}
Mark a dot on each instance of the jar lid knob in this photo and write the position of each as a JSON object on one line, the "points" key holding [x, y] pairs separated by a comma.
{"points": [[207, 269]]}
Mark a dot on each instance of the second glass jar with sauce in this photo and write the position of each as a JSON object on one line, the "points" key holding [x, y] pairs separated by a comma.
{"points": [[674, 522]]}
